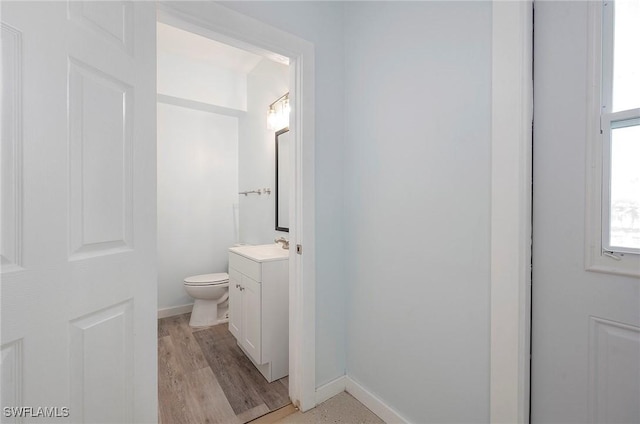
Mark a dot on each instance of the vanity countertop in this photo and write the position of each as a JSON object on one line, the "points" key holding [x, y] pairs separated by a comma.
{"points": [[262, 252]]}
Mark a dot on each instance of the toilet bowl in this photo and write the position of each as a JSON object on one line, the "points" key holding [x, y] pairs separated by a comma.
{"points": [[209, 292]]}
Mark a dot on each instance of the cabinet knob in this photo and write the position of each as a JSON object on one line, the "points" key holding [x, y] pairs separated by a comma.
{"points": [[237, 285]]}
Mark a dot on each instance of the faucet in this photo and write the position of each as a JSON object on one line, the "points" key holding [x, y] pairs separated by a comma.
{"points": [[284, 241]]}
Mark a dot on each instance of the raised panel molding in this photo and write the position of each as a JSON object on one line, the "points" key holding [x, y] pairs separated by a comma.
{"points": [[101, 365], [11, 376], [113, 20], [11, 154], [614, 380], [100, 162]]}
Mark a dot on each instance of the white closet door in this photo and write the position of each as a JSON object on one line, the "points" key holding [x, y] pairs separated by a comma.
{"points": [[585, 324], [79, 209]]}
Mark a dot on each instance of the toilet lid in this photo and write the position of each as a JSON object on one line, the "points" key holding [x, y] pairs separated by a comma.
{"points": [[207, 279]]}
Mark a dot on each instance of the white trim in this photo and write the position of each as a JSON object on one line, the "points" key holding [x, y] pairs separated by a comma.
{"points": [[601, 37], [174, 310], [374, 403], [609, 122], [302, 303], [511, 156], [347, 384], [331, 389], [201, 106], [225, 25]]}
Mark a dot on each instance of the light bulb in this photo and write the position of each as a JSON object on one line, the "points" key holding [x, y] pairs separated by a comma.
{"points": [[272, 118], [286, 106]]}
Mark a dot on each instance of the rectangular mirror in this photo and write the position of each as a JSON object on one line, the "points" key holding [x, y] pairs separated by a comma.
{"points": [[283, 178]]}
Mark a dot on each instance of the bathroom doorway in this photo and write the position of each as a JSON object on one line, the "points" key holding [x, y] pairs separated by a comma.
{"points": [[213, 144], [216, 156]]}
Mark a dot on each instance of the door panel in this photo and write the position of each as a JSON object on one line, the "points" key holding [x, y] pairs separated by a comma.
{"points": [[78, 276], [614, 352], [235, 304], [114, 23], [100, 141], [251, 317], [11, 154], [101, 359], [585, 339]]}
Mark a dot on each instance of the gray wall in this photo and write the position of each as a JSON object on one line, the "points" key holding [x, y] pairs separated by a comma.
{"points": [[403, 190], [417, 203]]}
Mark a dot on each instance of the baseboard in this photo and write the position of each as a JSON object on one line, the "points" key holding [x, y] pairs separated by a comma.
{"points": [[332, 388], [368, 399], [174, 310], [371, 401]]}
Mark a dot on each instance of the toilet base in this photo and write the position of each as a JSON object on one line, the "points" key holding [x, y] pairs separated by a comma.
{"points": [[205, 313]]}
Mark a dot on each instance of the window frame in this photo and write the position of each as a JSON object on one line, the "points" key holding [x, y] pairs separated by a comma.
{"points": [[611, 121], [600, 256]]}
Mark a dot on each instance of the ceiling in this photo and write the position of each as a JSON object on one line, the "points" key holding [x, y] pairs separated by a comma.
{"points": [[178, 42]]}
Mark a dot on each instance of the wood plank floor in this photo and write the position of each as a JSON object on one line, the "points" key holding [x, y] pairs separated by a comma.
{"points": [[204, 377]]}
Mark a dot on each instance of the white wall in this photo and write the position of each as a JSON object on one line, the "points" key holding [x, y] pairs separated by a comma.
{"points": [[186, 78], [197, 188], [265, 83], [197, 156], [417, 177], [322, 24]]}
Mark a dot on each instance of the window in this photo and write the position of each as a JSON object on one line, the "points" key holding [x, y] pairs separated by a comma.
{"points": [[621, 223], [614, 216]]}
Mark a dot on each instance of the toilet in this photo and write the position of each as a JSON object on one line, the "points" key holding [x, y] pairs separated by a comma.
{"points": [[210, 292]]}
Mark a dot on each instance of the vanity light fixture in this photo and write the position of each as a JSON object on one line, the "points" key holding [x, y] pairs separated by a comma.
{"points": [[278, 114], [272, 118], [286, 106]]}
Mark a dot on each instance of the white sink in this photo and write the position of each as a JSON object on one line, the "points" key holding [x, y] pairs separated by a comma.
{"points": [[262, 252]]}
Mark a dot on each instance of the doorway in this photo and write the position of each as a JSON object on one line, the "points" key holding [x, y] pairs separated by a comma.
{"points": [[217, 188], [223, 25]]}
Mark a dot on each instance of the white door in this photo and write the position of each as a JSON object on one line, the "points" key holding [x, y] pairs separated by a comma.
{"points": [[79, 210], [585, 324]]}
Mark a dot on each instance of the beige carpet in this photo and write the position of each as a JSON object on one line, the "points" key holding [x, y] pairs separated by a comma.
{"points": [[340, 409]]}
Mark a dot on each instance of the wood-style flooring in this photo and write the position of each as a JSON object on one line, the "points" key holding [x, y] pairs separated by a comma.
{"points": [[204, 377]]}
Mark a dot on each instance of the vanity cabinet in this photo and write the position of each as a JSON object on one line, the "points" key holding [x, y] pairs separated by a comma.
{"points": [[245, 312], [259, 306]]}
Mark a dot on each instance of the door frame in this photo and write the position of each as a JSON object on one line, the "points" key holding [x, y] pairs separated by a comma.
{"points": [[230, 27], [511, 201]]}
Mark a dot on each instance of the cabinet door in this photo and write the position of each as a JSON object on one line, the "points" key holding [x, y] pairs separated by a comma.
{"points": [[251, 318], [235, 304]]}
